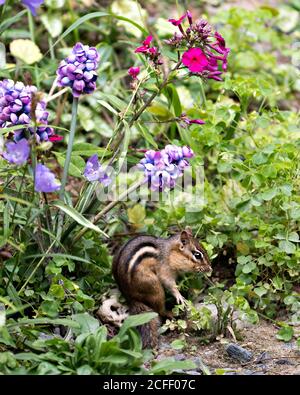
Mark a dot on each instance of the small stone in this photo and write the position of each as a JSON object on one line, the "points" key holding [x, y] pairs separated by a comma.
{"points": [[193, 372], [239, 353], [258, 373], [248, 372], [180, 357], [263, 357], [283, 361]]}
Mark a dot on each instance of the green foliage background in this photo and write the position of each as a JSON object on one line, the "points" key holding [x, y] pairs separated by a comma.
{"points": [[249, 147]]}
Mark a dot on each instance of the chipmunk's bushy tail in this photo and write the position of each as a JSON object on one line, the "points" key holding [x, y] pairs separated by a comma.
{"points": [[149, 331]]}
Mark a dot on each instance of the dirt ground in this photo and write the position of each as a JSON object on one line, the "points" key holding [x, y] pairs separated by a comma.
{"points": [[270, 356]]}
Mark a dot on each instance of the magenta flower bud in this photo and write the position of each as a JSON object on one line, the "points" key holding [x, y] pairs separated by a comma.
{"points": [[147, 41], [177, 22], [189, 16], [133, 72], [151, 52]]}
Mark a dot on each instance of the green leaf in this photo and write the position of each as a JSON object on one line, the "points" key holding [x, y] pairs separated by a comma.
{"points": [[79, 218], [107, 106], [249, 267], [147, 135], [160, 111], [287, 246], [113, 100], [178, 344], [43, 321], [54, 254], [124, 147], [169, 365], [136, 214], [293, 236], [77, 164], [136, 320], [10, 21], [259, 158], [87, 149], [269, 194], [87, 323], [174, 101], [84, 370], [286, 333], [260, 291], [50, 308]]}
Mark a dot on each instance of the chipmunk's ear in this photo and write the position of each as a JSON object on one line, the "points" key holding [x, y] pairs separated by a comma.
{"points": [[189, 231], [184, 238]]}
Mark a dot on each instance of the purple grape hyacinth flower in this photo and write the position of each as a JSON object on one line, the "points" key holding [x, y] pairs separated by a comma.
{"points": [[95, 172], [31, 4], [45, 180], [17, 153], [78, 70], [15, 109], [162, 168]]}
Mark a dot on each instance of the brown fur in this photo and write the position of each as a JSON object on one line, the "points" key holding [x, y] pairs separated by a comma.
{"points": [[157, 267]]}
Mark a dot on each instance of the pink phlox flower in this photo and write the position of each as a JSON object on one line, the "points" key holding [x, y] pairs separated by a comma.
{"points": [[195, 60]]}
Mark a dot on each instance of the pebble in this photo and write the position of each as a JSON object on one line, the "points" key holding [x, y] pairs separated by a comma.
{"points": [[193, 372], [284, 361], [237, 352], [180, 357], [263, 357]]}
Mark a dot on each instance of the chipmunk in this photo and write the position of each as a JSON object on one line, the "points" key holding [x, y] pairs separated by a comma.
{"points": [[146, 265]]}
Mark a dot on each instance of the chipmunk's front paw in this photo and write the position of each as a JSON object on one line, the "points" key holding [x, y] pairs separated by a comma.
{"points": [[181, 300]]}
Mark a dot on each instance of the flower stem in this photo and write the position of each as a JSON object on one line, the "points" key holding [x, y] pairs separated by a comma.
{"points": [[69, 149], [67, 164], [32, 36], [202, 93]]}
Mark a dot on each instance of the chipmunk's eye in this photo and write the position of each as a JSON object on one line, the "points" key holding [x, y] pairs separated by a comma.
{"points": [[198, 254]]}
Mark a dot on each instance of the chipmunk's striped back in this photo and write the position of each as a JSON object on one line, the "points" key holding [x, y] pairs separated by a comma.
{"points": [[131, 256]]}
